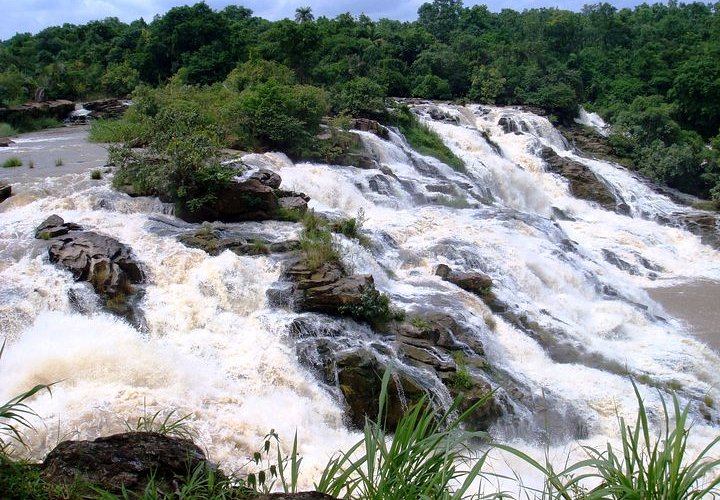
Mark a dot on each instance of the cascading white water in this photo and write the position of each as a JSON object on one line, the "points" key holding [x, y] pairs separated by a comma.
{"points": [[215, 348]]}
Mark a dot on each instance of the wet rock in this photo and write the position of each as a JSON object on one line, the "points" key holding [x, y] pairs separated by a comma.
{"points": [[5, 142], [474, 282], [367, 125], [612, 258], [583, 182], [359, 160], [590, 142], [267, 178], [108, 265], [324, 292], [125, 461], [440, 115], [215, 241], [359, 376], [293, 203], [5, 191], [508, 125], [706, 225], [106, 108]]}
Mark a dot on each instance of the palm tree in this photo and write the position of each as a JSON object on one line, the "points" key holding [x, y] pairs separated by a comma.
{"points": [[304, 15]]}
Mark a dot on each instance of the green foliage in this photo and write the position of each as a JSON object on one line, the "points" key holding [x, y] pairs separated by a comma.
{"points": [[13, 161], [374, 307], [6, 130], [162, 422], [487, 85], [277, 116], [424, 140], [120, 79], [360, 97], [24, 124], [422, 459], [59, 162], [96, 174], [259, 71], [462, 380], [316, 241], [21, 480], [119, 130], [12, 88]]}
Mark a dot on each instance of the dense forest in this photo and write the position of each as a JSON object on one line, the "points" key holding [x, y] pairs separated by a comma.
{"points": [[653, 71]]}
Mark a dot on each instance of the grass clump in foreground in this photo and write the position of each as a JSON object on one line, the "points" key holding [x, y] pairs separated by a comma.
{"points": [[11, 162], [316, 241], [423, 139]]}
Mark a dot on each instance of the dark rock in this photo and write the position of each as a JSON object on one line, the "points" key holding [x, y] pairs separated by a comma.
{"points": [[367, 125], [508, 125], [246, 200], [106, 108], [474, 282], [293, 203], [5, 191], [359, 160], [332, 297], [216, 241], [125, 461], [590, 142], [5, 142], [108, 265], [58, 110], [440, 115], [267, 178], [583, 182], [359, 375], [706, 225]]}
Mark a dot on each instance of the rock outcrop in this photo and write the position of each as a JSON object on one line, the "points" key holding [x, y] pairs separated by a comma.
{"points": [[255, 198], [5, 191], [214, 241], [124, 461], [108, 265], [372, 126], [583, 182], [474, 281], [106, 108], [6, 142], [58, 110]]}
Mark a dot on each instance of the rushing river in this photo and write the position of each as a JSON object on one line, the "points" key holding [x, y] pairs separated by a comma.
{"points": [[215, 348]]}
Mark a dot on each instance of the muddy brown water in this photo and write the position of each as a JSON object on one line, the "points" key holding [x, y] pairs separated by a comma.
{"points": [[697, 303]]}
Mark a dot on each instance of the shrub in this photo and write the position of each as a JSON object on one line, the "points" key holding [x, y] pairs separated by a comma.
{"points": [[360, 97], [120, 130], [11, 162], [96, 175], [316, 242], [58, 162], [374, 307], [6, 130]]}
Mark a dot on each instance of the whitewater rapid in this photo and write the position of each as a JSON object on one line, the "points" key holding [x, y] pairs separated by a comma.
{"points": [[217, 350]]}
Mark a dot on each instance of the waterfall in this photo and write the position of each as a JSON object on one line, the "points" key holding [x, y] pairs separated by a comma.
{"points": [[216, 348]]}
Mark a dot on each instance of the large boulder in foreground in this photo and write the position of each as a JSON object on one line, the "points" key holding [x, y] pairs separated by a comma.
{"points": [[124, 461], [108, 265]]}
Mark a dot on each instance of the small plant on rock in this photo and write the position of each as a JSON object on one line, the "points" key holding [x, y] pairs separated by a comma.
{"points": [[11, 162], [96, 175]]}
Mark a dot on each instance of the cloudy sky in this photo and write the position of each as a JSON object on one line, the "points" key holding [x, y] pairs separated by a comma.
{"points": [[34, 15]]}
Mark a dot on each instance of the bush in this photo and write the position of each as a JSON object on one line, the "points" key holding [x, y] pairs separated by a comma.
{"points": [[11, 162], [120, 130], [96, 175], [374, 307], [316, 242], [6, 130], [360, 97]]}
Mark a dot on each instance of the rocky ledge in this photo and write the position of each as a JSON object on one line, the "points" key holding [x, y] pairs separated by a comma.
{"points": [[584, 184], [109, 266], [47, 109]]}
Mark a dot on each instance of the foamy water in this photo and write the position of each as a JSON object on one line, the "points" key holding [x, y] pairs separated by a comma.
{"points": [[216, 350]]}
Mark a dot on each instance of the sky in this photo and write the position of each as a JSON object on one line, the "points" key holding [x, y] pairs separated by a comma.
{"points": [[34, 15]]}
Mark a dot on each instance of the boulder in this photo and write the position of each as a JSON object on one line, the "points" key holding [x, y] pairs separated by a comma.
{"points": [[106, 108], [5, 191], [125, 462], [108, 265], [327, 289], [5, 142], [359, 376], [267, 178], [474, 282], [358, 160], [583, 182], [372, 126]]}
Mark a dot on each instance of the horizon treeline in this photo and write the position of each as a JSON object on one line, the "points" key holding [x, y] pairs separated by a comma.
{"points": [[652, 71]]}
